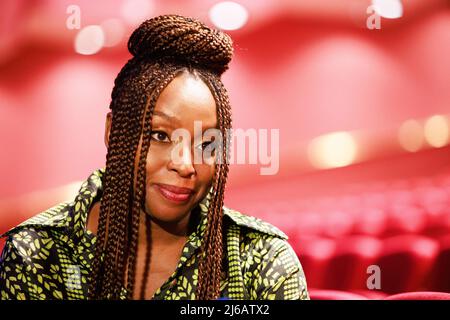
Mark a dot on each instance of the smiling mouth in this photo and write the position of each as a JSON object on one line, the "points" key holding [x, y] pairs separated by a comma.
{"points": [[174, 194]]}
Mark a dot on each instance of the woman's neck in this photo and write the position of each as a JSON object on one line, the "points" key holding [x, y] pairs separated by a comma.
{"points": [[163, 233]]}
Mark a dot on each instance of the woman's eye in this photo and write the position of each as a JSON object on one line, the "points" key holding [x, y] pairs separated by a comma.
{"points": [[204, 145], [159, 136]]}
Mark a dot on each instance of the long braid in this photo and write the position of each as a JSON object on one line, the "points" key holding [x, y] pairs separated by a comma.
{"points": [[122, 184], [123, 241], [103, 224], [210, 264], [123, 142], [162, 47], [147, 257], [126, 172], [163, 80]]}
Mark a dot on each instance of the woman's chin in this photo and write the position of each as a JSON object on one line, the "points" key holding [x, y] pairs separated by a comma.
{"points": [[165, 213]]}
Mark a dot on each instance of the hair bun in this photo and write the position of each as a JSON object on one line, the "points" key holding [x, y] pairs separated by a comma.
{"points": [[182, 39]]}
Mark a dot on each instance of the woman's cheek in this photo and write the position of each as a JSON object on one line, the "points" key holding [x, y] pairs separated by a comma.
{"points": [[205, 175], [157, 157]]}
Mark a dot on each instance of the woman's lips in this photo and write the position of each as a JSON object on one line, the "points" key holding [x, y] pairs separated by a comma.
{"points": [[173, 193]]}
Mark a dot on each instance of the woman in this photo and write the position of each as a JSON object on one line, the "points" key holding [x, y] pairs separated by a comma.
{"points": [[152, 224]]}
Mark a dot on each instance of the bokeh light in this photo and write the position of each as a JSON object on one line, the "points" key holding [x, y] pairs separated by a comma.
{"points": [[228, 15], [89, 40], [390, 9], [333, 150], [410, 135], [437, 131]]}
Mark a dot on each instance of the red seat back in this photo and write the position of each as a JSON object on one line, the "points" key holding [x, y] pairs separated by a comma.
{"points": [[440, 275], [405, 261], [315, 254], [347, 269]]}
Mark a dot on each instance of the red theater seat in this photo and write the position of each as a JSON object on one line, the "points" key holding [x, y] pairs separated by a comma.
{"points": [[424, 295], [308, 224], [337, 223], [347, 269], [316, 294], [438, 220], [287, 222], [404, 219], [405, 261], [315, 254], [435, 200], [371, 221], [440, 275]]}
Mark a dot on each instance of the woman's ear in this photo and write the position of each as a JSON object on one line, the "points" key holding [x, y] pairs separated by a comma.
{"points": [[108, 128]]}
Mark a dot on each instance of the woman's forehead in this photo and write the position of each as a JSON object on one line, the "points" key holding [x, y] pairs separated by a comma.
{"points": [[186, 99]]}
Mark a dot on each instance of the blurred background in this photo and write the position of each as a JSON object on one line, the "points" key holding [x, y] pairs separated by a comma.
{"points": [[359, 89]]}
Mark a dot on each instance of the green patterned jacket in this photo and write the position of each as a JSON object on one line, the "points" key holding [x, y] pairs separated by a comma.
{"points": [[49, 256]]}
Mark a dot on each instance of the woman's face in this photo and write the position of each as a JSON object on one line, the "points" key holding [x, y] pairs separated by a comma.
{"points": [[185, 99]]}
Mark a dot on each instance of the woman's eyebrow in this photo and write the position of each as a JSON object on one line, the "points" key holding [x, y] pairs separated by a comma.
{"points": [[165, 116]]}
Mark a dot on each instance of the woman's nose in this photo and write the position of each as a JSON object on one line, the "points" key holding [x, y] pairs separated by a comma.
{"points": [[181, 160]]}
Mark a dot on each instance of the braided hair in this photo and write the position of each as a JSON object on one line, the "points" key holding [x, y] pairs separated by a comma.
{"points": [[162, 47]]}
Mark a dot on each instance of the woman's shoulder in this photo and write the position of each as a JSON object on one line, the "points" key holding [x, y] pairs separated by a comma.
{"points": [[256, 237], [253, 224], [38, 259], [57, 216], [38, 234], [39, 241], [270, 266]]}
